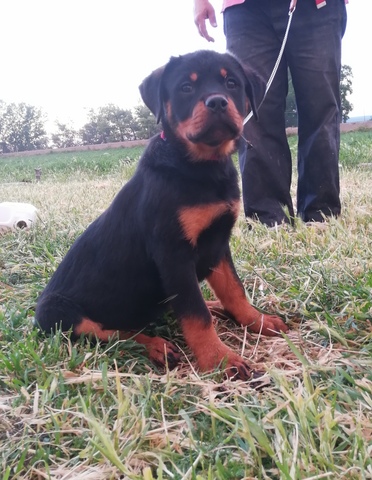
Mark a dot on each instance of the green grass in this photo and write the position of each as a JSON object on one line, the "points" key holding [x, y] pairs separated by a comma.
{"points": [[356, 148], [64, 166], [73, 410]]}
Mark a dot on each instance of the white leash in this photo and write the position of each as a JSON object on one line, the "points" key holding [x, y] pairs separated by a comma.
{"points": [[276, 66]]}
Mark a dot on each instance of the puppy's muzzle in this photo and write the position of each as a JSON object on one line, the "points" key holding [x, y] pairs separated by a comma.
{"points": [[217, 103]]}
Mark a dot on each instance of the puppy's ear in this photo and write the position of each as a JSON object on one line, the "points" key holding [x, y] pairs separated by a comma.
{"points": [[255, 89], [151, 94]]}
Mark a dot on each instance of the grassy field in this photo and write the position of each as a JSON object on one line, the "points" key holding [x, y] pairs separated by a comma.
{"points": [[75, 411]]}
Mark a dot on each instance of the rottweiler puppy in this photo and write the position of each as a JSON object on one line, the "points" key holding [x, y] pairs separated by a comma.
{"points": [[169, 227]]}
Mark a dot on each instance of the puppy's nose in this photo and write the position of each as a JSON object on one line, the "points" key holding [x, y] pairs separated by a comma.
{"points": [[216, 103]]}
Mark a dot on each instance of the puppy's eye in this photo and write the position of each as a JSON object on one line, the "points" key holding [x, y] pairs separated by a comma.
{"points": [[186, 87], [231, 83]]}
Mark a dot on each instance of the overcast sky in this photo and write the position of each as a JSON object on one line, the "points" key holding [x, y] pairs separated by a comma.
{"points": [[69, 56]]}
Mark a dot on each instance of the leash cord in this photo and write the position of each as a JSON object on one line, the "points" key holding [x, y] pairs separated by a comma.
{"points": [[276, 66]]}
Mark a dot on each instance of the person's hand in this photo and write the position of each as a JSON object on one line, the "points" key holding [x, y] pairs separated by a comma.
{"points": [[203, 11]]}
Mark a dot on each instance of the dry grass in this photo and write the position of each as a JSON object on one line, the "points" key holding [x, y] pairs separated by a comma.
{"points": [[74, 411]]}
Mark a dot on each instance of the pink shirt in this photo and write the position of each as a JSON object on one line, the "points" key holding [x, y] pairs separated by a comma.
{"points": [[230, 3]]}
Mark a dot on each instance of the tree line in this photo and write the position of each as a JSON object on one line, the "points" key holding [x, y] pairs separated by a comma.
{"points": [[22, 126]]}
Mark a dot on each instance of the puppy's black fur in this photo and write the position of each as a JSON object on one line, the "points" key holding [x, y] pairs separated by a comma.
{"points": [[169, 226]]}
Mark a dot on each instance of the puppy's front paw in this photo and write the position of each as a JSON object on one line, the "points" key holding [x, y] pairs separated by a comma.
{"points": [[233, 364], [237, 368], [269, 325]]}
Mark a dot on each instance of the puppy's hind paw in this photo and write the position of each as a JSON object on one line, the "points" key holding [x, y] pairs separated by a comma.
{"points": [[163, 353]]}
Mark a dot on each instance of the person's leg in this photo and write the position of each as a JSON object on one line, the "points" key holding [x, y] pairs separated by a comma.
{"points": [[266, 168], [314, 57]]}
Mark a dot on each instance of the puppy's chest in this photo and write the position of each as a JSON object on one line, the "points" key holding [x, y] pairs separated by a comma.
{"points": [[196, 219]]}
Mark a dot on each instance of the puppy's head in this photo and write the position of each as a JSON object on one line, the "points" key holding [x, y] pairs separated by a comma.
{"points": [[202, 98]]}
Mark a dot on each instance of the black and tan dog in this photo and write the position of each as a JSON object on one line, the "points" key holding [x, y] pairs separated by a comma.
{"points": [[169, 226]]}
